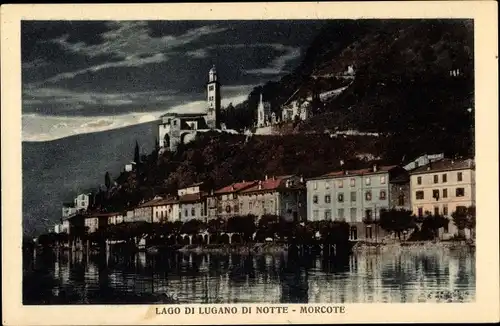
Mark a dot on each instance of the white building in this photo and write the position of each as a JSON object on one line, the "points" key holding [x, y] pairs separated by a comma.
{"points": [[263, 113], [443, 187], [297, 107], [176, 128]]}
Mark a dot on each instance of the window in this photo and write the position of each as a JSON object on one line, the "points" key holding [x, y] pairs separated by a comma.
{"points": [[175, 122], [353, 215], [353, 182], [328, 214], [316, 214], [419, 194], [156, 214], [382, 179], [315, 185], [340, 197], [250, 205], [340, 183], [368, 214], [228, 209], [401, 200], [460, 192], [419, 180], [185, 212], [340, 214], [445, 210], [211, 87], [459, 176], [353, 196], [444, 178], [368, 181], [445, 227], [445, 193], [368, 195], [327, 185], [436, 210], [382, 194], [315, 199], [420, 212], [327, 199], [436, 178], [435, 193]]}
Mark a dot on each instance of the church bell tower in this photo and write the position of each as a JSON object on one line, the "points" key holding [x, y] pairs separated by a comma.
{"points": [[213, 100]]}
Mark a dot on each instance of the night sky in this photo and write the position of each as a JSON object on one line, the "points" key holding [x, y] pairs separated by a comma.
{"points": [[85, 76]]}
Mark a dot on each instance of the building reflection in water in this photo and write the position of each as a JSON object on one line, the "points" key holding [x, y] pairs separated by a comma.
{"points": [[64, 277]]}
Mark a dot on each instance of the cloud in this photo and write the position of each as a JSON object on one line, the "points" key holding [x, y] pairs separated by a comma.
{"points": [[45, 95], [131, 42], [277, 66], [38, 127], [198, 54]]}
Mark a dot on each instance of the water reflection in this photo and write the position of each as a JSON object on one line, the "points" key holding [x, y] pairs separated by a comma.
{"points": [[66, 278]]}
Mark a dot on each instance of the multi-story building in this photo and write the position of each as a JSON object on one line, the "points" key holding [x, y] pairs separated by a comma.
{"points": [[144, 212], [82, 201], [166, 210], [442, 187], [357, 196], [116, 218], [284, 196], [97, 221], [68, 209], [224, 202], [128, 216], [193, 203]]}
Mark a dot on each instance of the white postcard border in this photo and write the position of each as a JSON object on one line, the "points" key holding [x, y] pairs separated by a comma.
{"points": [[484, 13]]}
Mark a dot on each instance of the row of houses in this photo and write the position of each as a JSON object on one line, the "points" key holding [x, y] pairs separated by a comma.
{"points": [[428, 184], [441, 186]]}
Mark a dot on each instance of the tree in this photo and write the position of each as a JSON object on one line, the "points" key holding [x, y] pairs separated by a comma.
{"points": [[471, 220], [137, 157], [461, 220], [107, 180], [397, 221]]}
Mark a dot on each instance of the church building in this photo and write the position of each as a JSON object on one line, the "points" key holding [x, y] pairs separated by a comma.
{"points": [[176, 128], [263, 113]]}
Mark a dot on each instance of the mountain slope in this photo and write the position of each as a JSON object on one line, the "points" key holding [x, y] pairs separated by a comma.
{"points": [[402, 85], [55, 171]]}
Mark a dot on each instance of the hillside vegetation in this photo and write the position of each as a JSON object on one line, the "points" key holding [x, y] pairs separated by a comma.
{"points": [[402, 85]]}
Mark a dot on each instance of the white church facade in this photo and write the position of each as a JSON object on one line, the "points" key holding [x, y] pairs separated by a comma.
{"points": [[176, 128]]}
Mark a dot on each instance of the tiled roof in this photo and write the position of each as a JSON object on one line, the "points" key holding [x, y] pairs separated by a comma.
{"points": [[445, 165], [191, 197], [149, 203], [365, 171], [273, 183], [235, 187]]}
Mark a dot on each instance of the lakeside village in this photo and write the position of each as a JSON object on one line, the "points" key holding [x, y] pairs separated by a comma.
{"points": [[429, 198]]}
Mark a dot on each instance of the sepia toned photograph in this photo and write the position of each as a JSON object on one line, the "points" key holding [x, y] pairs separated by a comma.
{"points": [[265, 161], [208, 165]]}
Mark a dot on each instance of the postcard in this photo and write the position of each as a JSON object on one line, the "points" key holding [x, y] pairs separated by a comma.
{"points": [[248, 163]]}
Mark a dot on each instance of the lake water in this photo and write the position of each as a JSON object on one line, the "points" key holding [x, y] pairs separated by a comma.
{"points": [[439, 275]]}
